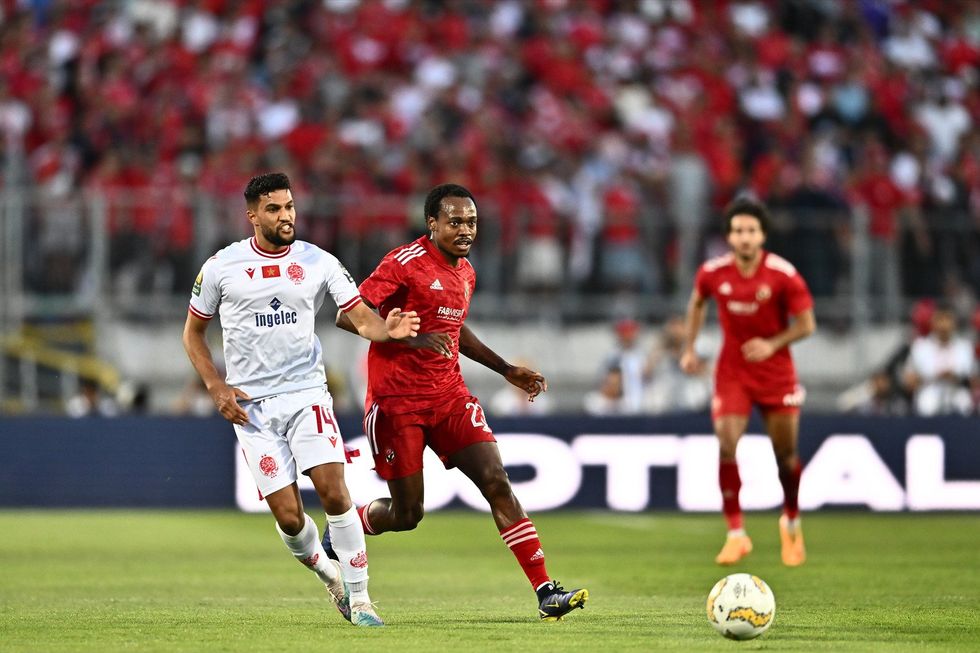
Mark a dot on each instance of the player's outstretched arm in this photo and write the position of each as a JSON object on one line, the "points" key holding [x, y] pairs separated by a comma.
{"points": [[696, 309], [531, 382], [224, 396], [398, 325], [441, 343]]}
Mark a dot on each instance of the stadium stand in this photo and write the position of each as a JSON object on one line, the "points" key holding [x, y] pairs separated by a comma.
{"points": [[600, 138]]}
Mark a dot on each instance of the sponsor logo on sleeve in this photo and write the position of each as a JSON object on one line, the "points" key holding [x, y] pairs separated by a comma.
{"points": [[197, 283]]}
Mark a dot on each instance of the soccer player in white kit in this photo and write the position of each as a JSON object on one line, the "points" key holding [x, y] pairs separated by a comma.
{"points": [[267, 290]]}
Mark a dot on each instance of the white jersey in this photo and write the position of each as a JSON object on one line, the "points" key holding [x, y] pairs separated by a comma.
{"points": [[268, 302]]}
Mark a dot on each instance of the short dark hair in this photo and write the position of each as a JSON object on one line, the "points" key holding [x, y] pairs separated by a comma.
{"points": [[265, 184], [434, 199], [746, 205]]}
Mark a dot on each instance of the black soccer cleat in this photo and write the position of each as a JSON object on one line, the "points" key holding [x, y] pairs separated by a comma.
{"points": [[554, 602], [328, 547]]}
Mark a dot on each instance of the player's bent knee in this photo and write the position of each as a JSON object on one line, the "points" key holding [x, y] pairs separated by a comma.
{"points": [[407, 520], [291, 524], [335, 502]]}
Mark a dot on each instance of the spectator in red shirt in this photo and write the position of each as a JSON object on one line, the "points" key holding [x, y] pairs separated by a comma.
{"points": [[882, 201]]}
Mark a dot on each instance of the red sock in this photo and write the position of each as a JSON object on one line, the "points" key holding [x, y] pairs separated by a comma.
{"points": [[522, 538], [790, 478], [365, 524], [730, 483]]}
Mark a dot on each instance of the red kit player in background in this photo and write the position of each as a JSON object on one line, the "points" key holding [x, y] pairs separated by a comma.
{"points": [[417, 396], [763, 306]]}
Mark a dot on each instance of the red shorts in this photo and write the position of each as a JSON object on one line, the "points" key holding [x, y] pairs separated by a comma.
{"points": [[734, 398], [397, 441]]}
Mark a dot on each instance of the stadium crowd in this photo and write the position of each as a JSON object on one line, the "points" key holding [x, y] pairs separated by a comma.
{"points": [[599, 136]]}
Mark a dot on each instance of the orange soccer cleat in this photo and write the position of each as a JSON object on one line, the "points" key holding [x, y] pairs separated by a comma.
{"points": [[794, 551], [736, 547]]}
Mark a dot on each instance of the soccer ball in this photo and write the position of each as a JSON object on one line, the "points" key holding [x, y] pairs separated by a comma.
{"points": [[741, 606]]}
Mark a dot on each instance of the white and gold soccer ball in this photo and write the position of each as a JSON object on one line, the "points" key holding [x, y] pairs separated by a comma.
{"points": [[741, 606]]}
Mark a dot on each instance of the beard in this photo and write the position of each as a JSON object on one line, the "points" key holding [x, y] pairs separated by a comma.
{"points": [[277, 239]]}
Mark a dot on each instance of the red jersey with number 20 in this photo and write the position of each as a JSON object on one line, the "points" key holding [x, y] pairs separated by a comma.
{"points": [[416, 277], [758, 306]]}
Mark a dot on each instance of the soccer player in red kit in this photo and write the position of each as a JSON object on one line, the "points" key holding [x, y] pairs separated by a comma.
{"points": [[763, 306], [417, 396]]}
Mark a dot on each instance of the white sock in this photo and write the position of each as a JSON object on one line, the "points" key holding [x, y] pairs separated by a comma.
{"points": [[792, 525], [306, 548], [347, 538], [737, 532]]}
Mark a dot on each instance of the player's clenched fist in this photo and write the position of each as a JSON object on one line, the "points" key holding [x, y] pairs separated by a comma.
{"points": [[402, 324]]}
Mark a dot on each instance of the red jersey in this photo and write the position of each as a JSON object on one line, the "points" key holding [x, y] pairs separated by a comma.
{"points": [[758, 306], [416, 277]]}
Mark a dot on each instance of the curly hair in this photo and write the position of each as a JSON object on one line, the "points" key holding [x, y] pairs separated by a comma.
{"points": [[265, 184]]}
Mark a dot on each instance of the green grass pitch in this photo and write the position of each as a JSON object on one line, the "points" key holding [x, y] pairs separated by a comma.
{"points": [[222, 581]]}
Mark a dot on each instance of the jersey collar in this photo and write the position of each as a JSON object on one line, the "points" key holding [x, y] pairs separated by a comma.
{"points": [[266, 253], [436, 253]]}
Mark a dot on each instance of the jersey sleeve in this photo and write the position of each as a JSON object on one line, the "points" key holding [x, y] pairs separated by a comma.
{"points": [[206, 292], [703, 283], [798, 297], [383, 282], [340, 284]]}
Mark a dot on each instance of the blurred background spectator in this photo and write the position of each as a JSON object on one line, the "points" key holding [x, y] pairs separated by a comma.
{"points": [[629, 366], [942, 368], [669, 388], [194, 399], [90, 401], [607, 399]]}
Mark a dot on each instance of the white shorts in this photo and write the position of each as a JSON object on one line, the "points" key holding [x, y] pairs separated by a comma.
{"points": [[289, 432]]}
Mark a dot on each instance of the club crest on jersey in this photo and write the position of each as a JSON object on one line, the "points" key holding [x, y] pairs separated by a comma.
{"points": [[436, 285], [295, 272], [725, 289], [763, 293]]}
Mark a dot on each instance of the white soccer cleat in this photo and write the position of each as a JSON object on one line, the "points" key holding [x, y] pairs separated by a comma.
{"points": [[338, 592], [363, 614]]}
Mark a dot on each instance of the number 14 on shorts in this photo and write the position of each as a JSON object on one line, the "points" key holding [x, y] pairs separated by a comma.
{"points": [[324, 415]]}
